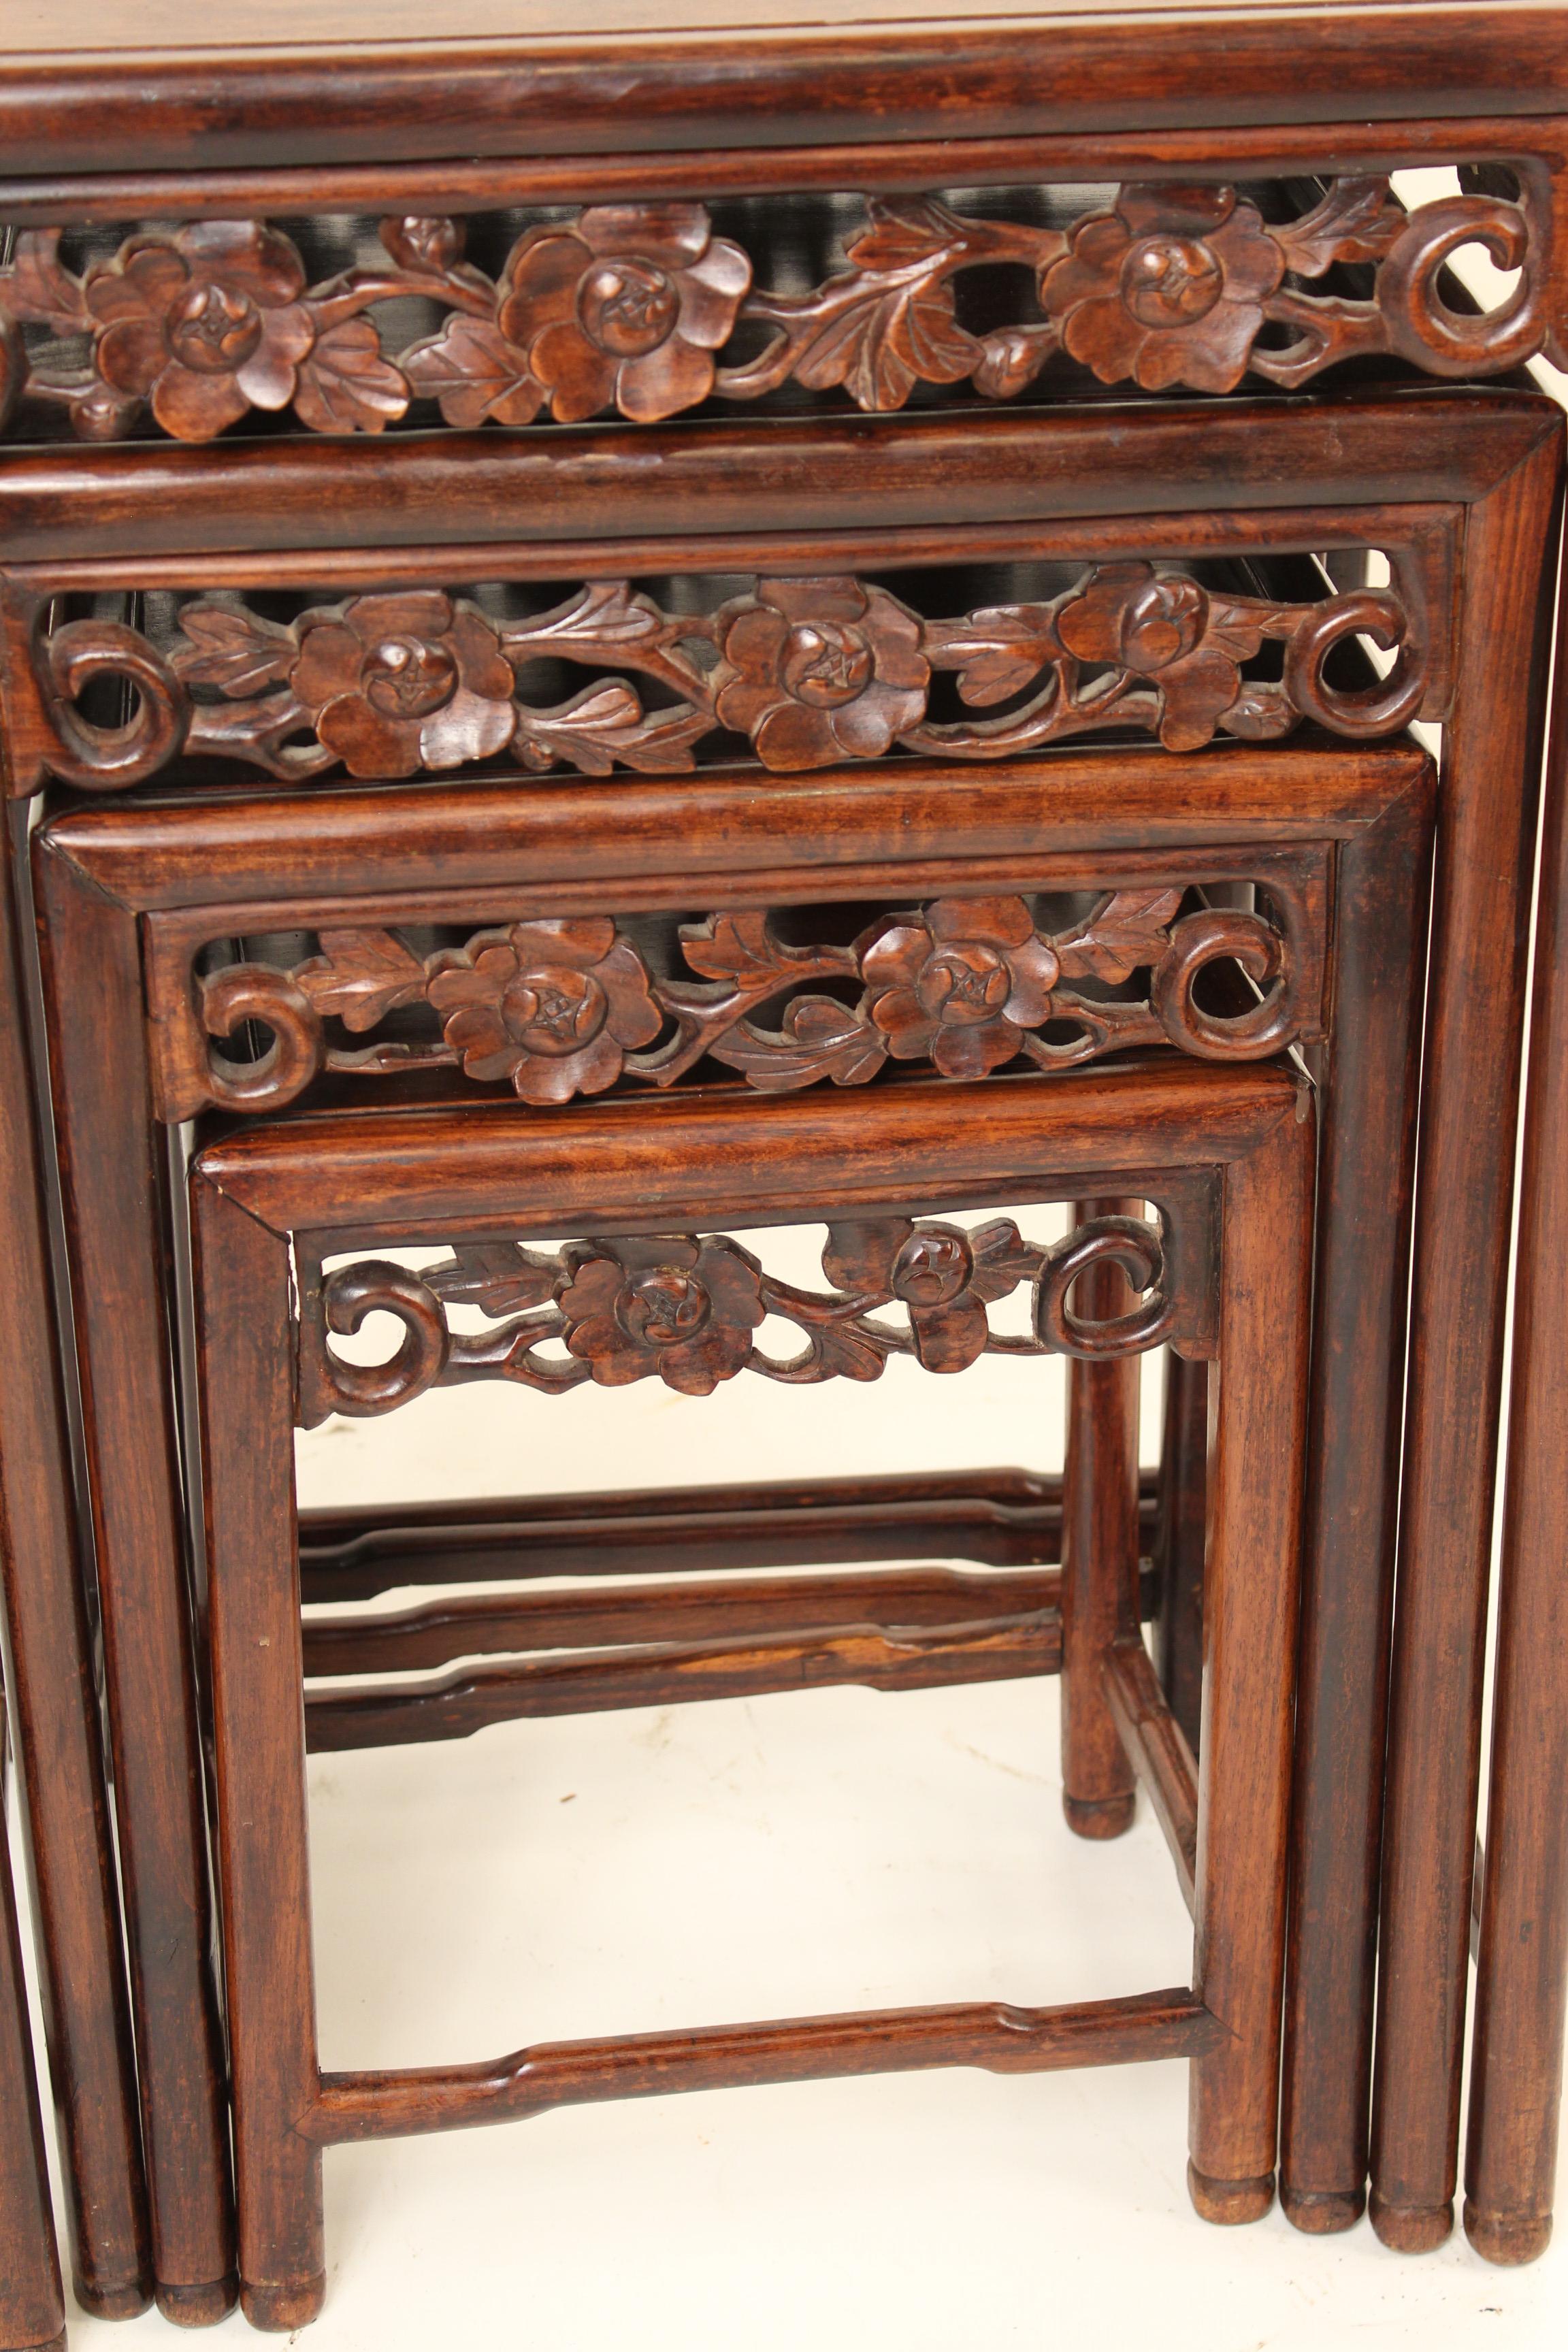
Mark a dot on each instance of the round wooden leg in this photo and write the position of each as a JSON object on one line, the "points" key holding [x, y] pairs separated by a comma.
{"points": [[1229, 2202], [1411, 2229], [281, 2308], [198, 2307], [1320, 2213], [1099, 1817], [1511, 2238]]}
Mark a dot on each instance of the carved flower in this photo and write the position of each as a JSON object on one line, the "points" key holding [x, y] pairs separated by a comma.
{"points": [[204, 324], [667, 1304], [945, 1277], [401, 682], [1167, 289], [551, 1006], [960, 983], [816, 670], [1163, 628], [628, 305]]}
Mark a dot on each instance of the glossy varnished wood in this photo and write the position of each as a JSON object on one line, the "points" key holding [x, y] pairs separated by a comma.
{"points": [[98, 866], [1521, 1982], [54, 1713], [354, 1178], [1469, 1111], [341, 90]]}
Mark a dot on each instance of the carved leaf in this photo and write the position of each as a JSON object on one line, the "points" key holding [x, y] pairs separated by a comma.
{"points": [[739, 948], [818, 1038], [997, 652], [841, 1352], [475, 373], [1002, 1259], [1125, 931], [662, 744], [589, 731], [607, 617], [345, 385], [903, 231], [886, 340], [361, 976], [237, 651], [40, 288], [1357, 220], [498, 1277]]}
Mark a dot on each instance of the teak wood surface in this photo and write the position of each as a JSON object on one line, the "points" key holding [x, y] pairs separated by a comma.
{"points": [[395, 1176]]}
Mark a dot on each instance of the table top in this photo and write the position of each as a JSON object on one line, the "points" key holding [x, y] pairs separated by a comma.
{"points": [[75, 27], [156, 85]]}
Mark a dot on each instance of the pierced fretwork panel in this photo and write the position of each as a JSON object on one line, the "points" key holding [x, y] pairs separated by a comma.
{"points": [[798, 673], [650, 308], [685, 1309], [560, 1006]]}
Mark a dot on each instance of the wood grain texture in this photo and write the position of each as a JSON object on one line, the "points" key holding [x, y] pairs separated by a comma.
{"points": [[1251, 1586], [357, 95], [1158, 1750], [456, 1705], [1099, 1552], [1521, 1980], [1001, 2038], [112, 1192], [54, 1718], [1369, 1078], [1179, 1540], [241, 1273], [1468, 1110]]}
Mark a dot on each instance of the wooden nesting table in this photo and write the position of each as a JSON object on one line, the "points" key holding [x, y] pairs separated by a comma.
{"points": [[602, 305]]}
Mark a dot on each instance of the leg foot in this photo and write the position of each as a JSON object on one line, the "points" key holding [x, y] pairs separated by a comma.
{"points": [[110, 2302], [198, 2307], [1323, 2212], [1230, 2201], [1508, 2237], [1411, 2229], [1099, 1817], [283, 2308]]}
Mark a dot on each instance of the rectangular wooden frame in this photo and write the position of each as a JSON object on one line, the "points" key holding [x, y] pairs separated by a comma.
{"points": [[408, 1177]]}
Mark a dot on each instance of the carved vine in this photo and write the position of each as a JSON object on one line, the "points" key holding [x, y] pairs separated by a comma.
{"points": [[811, 670], [561, 1007], [686, 1310], [628, 307]]}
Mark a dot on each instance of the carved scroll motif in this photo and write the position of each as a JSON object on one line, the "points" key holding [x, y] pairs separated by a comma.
{"points": [[561, 1007], [813, 671], [630, 307], [686, 1308]]}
